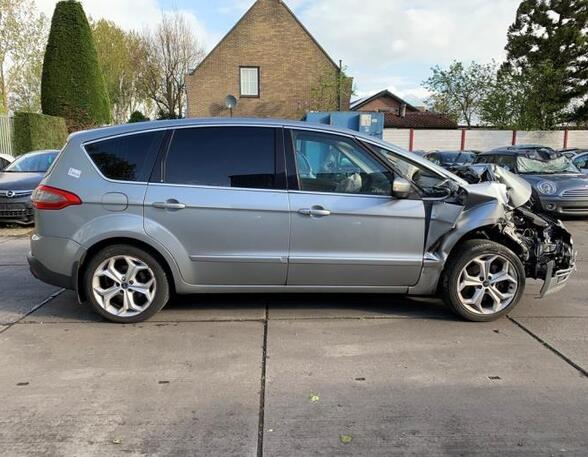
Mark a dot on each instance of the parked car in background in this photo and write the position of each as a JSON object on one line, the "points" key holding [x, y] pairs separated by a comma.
{"points": [[558, 185], [524, 147], [450, 160], [17, 182], [5, 160], [580, 160], [130, 213], [570, 153]]}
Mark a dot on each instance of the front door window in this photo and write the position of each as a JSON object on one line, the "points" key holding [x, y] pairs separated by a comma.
{"points": [[329, 163]]}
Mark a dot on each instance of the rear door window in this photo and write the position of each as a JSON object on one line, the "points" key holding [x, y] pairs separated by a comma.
{"points": [[239, 157], [126, 158]]}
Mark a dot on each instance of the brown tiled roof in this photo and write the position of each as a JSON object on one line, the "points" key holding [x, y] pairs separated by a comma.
{"points": [[356, 104], [418, 120]]}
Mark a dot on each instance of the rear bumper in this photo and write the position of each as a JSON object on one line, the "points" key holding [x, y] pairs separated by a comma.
{"points": [[55, 260], [42, 273]]}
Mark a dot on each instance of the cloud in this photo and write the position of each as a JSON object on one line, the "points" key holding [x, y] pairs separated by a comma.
{"points": [[392, 38]]}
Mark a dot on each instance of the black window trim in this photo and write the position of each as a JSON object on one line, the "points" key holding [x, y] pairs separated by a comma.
{"points": [[148, 173], [279, 158]]}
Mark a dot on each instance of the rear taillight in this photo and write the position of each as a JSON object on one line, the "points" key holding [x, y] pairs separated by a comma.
{"points": [[47, 197]]}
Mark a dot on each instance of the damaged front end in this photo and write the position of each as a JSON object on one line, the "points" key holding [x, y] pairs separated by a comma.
{"points": [[542, 243]]}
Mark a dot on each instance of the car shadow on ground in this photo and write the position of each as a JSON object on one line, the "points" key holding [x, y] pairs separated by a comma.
{"points": [[258, 307]]}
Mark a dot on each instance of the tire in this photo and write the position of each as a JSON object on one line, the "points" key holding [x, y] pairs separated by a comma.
{"points": [[462, 286], [118, 298]]}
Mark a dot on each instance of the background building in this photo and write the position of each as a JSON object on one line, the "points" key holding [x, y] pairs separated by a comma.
{"points": [[272, 65]]}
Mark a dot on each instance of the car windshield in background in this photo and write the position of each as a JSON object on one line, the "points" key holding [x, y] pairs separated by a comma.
{"points": [[457, 158], [34, 163], [527, 165]]}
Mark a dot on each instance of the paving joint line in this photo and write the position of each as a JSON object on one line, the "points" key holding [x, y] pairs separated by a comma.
{"points": [[560, 354], [261, 423], [35, 308]]}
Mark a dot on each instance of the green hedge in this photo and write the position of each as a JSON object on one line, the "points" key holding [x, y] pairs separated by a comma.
{"points": [[33, 132]]}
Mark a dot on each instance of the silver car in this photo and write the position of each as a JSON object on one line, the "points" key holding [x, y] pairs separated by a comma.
{"points": [[130, 215]]}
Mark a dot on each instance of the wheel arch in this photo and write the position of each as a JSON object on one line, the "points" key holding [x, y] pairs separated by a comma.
{"points": [[99, 245], [490, 233]]}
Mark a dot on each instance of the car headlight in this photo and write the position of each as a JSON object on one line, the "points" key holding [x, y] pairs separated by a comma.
{"points": [[547, 187]]}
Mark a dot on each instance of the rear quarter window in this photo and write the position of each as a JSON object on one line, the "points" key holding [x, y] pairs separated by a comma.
{"points": [[126, 158]]}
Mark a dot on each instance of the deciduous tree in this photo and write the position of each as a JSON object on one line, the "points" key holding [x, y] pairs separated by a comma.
{"points": [[23, 32], [459, 90], [173, 49], [122, 57]]}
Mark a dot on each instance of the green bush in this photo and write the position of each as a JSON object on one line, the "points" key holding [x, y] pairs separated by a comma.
{"points": [[72, 84], [137, 116], [34, 131]]}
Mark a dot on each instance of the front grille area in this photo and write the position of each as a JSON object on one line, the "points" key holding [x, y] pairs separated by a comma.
{"points": [[7, 194], [574, 209], [575, 193], [15, 210]]}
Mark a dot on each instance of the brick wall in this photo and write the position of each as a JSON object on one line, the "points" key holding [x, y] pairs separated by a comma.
{"points": [[383, 104], [290, 62]]}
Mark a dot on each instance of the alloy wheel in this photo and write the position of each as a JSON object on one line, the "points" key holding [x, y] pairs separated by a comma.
{"points": [[124, 286], [488, 284]]}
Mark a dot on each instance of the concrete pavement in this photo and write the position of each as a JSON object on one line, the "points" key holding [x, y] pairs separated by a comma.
{"points": [[280, 375]]}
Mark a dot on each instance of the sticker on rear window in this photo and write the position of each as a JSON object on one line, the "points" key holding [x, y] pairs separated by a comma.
{"points": [[74, 173]]}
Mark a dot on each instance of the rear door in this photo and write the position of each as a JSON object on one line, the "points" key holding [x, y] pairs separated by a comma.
{"points": [[347, 229], [221, 206]]}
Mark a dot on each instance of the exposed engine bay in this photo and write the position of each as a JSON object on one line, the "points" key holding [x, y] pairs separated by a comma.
{"points": [[542, 243]]}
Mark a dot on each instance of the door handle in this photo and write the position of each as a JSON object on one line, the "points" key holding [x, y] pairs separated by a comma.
{"points": [[315, 211], [170, 204]]}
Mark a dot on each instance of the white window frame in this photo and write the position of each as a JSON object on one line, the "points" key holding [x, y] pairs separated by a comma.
{"points": [[249, 81]]}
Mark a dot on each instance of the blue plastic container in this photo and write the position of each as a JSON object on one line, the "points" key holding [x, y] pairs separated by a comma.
{"points": [[368, 123]]}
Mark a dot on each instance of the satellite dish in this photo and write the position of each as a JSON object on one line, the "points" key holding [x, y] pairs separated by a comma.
{"points": [[230, 101]]}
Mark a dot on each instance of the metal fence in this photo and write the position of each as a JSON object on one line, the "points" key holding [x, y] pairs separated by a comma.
{"points": [[6, 135]]}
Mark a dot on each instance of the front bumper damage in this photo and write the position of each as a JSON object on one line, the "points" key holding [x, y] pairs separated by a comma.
{"points": [[555, 281], [545, 245], [542, 242]]}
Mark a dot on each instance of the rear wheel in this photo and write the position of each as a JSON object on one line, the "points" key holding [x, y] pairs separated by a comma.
{"points": [[483, 281], [126, 284]]}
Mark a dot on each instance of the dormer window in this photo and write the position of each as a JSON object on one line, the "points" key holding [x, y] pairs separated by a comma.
{"points": [[249, 81]]}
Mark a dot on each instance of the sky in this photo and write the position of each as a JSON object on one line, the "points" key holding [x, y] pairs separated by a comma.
{"points": [[385, 44]]}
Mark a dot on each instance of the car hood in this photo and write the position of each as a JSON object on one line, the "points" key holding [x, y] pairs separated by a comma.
{"points": [[496, 182], [19, 181]]}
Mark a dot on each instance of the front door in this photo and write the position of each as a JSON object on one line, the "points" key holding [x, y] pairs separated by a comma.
{"points": [[221, 207], [346, 229]]}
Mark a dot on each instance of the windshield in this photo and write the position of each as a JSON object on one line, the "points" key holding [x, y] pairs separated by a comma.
{"points": [[33, 163], [464, 158], [526, 165]]}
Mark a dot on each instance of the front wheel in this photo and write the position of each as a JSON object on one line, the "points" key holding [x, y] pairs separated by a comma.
{"points": [[483, 281], [125, 284]]}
